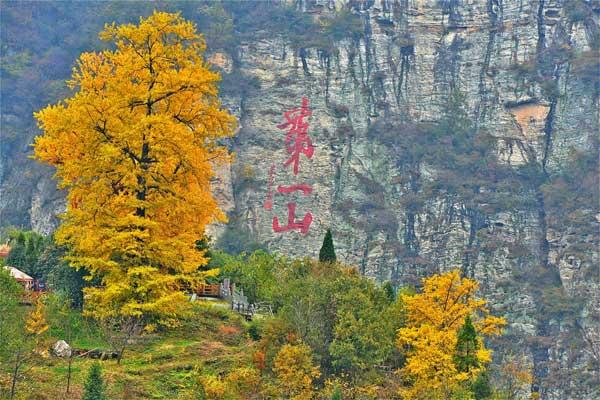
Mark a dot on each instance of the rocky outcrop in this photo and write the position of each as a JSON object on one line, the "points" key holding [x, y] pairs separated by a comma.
{"points": [[502, 56]]}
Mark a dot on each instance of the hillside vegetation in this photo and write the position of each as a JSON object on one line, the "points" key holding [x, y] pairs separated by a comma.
{"points": [[332, 332]]}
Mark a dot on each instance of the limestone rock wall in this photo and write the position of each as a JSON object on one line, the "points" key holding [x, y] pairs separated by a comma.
{"points": [[414, 54]]}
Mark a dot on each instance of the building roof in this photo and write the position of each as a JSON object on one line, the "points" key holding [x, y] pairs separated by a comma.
{"points": [[18, 274], [4, 250]]}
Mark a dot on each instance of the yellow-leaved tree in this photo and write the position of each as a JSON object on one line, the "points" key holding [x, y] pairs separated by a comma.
{"points": [[295, 372], [436, 318], [134, 147]]}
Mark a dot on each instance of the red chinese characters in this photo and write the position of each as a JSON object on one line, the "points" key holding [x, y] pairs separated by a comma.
{"points": [[301, 225], [305, 189], [297, 142]]}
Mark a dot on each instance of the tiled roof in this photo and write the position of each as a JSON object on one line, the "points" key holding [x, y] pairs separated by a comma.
{"points": [[18, 274]]}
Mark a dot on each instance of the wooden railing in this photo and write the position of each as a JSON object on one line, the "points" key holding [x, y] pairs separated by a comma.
{"points": [[245, 309], [209, 291], [235, 297]]}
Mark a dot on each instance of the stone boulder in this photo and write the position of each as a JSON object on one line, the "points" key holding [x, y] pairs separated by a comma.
{"points": [[61, 349]]}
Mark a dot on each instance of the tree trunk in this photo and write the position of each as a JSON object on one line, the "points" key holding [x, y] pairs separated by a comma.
{"points": [[69, 371], [15, 374], [120, 356]]}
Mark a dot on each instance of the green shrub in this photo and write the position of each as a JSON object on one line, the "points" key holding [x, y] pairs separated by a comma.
{"points": [[337, 394], [254, 330], [94, 385]]}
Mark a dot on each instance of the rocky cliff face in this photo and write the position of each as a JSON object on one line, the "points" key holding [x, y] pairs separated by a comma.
{"points": [[413, 55], [523, 68]]}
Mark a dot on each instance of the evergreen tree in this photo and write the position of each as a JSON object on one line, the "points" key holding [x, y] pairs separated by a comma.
{"points": [[47, 259], [389, 291], [327, 253], [481, 388], [30, 257], [465, 356], [70, 281], [465, 359], [94, 386], [16, 256], [34, 246], [59, 276], [204, 246], [26, 247]]}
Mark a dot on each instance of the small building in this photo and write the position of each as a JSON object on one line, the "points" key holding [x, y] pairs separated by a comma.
{"points": [[21, 277]]}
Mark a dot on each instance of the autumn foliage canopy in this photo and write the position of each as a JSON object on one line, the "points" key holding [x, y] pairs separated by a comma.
{"points": [[430, 338], [134, 148]]}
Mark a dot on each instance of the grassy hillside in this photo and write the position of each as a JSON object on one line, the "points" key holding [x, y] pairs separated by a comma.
{"points": [[333, 333], [161, 366]]}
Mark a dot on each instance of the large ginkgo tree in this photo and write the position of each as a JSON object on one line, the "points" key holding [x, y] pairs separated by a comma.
{"points": [[134, 147]]}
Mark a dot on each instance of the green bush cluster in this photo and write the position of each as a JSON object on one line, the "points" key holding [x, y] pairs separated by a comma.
{"points": [[41, 258], [348, 321]]}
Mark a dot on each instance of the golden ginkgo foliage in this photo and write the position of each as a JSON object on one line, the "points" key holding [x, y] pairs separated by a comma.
{"points": [[295, 372], [434, 319], [35, 323], [134, 148]]}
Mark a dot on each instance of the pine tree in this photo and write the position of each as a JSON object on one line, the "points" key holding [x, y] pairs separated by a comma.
{"points": [[327, 253], [62, 278], [16, 256], [390, 293], [465, 356], [481, 387], [94, 386], [32, 247]]}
